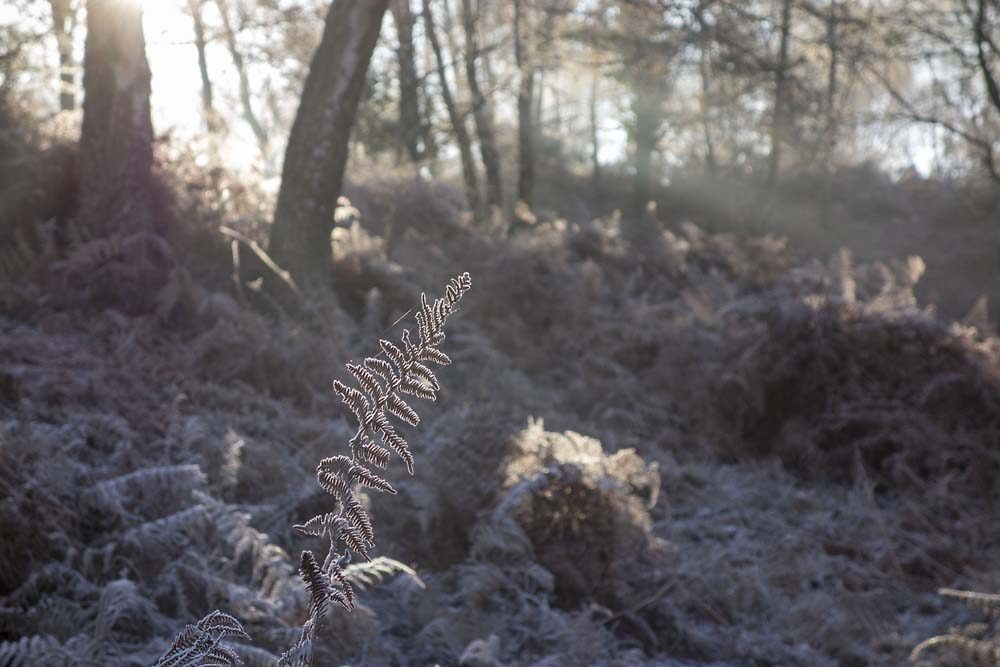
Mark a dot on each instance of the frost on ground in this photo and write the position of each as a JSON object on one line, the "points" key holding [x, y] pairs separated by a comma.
{"points": [[654, 447]]}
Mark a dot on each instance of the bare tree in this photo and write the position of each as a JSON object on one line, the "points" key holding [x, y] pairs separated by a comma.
{"points": [[986, 48], [481, 110], [525, 96], [779, 111], [410, 125], [246, 96], [194, 8], [317, 151], [962, 93], [456, 118], [595, 144], [64, 20], [706, 101], [116, 139]]}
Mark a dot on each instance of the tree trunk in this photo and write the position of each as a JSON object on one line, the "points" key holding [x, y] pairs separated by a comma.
{"points": [[457, 121], [711, 162], [983, 41], [410, 126], [831, 129], [779, 119], [64, 25], [246, 98], [525, 128], [481, 110], [200, 44], [706, 101], [316, 155], [645, 136], [540, 100], [116, 138], [595, 145]]}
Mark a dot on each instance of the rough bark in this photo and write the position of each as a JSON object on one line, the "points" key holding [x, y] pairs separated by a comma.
{"points": [[457, 121], [116, 138], [779, 116], [525, 96], [317, 151], [246, 97], [410, 125], [200, 44], [64, 25], [481, 111]]}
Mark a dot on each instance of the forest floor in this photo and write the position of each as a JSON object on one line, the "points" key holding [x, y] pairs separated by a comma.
{"points": [[655, 446]]}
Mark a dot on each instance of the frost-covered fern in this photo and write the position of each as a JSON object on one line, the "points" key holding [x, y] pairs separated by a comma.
{"points": [[972, 644], [382, 381], [201, 645]]}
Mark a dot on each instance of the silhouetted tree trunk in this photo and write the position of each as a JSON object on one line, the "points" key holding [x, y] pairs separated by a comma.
{"points": [[200, 44], [595, 145], [457, 121], [116, 139], [246, 98], [525, 127], [831, 128], [706, 102], [64, 24], [481, 109], [985, 48], [779, 118], [316, 155], [645, 135], [410, 126]]}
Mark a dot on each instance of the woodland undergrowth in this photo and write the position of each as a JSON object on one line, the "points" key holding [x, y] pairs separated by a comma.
{"points": [[654, 446]]}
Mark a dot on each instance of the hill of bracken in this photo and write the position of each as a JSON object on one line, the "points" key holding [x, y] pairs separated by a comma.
{"points": [[655, 446]]}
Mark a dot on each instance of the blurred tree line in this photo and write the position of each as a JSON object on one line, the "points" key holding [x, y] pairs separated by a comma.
{"points": [[508, 97]]}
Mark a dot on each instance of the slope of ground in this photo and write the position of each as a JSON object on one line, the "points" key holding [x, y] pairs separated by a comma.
{"points": [[654, 447]]}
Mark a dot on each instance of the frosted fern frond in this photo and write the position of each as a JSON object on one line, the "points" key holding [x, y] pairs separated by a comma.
{"points": [[161, 483], [159, 476], [201, 645], [164, 534], [399, 369], [300, 654], [320, 587], [31, 651], [965, 645], [972, 652], [987, 603], [377, 570], [120, 599]]}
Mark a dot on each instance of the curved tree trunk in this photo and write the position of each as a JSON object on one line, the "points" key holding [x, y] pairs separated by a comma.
{"points": [[116, 139], [316, 155]]}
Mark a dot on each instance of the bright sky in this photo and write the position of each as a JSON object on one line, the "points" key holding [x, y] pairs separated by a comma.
{"points": [[176, 98]]}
